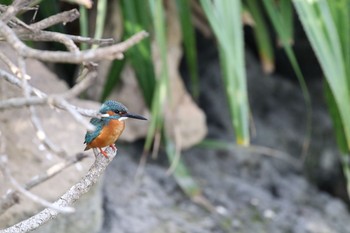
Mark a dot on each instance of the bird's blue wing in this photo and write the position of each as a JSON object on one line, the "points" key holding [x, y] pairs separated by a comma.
{"points": [[91, 135]]}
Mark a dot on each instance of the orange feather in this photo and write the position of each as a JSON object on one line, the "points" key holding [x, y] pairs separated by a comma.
{"points": [[108, 136]]}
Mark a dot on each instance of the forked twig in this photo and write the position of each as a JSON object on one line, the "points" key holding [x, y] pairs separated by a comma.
{"points": [[67, 199]]}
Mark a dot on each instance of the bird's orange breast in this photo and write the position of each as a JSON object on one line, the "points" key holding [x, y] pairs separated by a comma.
{"points": [[109, 134]]}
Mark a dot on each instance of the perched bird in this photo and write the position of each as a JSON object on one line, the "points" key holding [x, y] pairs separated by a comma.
{"points": [[109, 127]]}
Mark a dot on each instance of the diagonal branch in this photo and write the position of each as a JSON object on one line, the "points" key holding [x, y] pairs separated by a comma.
{"points": [[11, 197], [14, 8], [55, 100], [6, 172], [63, 17], [72, 195]]}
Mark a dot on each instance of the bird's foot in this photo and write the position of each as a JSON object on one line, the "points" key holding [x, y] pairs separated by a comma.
{"points": [[103, 152], [113, 147]]}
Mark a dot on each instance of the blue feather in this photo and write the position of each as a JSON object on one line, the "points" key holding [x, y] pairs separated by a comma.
{"points": [[99, 124], [114, 106]]}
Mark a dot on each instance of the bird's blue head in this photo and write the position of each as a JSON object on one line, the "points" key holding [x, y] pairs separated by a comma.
{"points": [[118, 111]]}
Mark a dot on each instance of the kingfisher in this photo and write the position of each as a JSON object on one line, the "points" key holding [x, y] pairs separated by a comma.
{"points": [[109, 127]]}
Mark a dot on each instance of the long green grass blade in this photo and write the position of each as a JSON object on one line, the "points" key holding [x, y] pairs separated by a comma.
{"points": [[340, 11], [136, 18], [322, 23], [113, 78], [162, 85], [225, 19], [282, 26], [262, 36], [84, 25], [100, 20], [181, 173], [324, 37], [337, 122], [189, 40], [286, 9]]}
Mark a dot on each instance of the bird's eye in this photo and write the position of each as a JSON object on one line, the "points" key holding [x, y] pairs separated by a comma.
{"points": [[117, 112]]}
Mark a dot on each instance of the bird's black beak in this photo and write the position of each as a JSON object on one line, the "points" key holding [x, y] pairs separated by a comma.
{"points": [[135, 116]]}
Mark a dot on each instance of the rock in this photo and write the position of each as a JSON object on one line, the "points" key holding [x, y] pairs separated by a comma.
{"points": [[152, 204], [28, 157], [251, 191]]}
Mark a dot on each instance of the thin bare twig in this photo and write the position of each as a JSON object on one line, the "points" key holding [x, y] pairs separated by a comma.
{"points": [[3, 8], [17, 82], [11, 10], [12, 198], [48, 37], [55, 37], [88, 40], [87, 77], [110, 52], [177, 156], [75, 114], [14, 69], [77, 89], [57, 101], [72, 195], [63, 17], [40, 132]]}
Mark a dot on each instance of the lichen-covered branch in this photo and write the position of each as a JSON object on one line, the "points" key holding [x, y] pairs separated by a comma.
{"points": [[11, 197], [13, 31], [67, 199]]}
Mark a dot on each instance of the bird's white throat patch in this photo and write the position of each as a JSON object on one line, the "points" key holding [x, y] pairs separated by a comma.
{"points": [[123, 118]]}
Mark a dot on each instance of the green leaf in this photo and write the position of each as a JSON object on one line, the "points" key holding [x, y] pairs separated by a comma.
{"points": [[323, 23], [281, 16], [84, 25], [136, 18], [262, 36], [162, 84], [100, 20], [320, 28], [282, 25], [181, 173], [113, 78], [225, 19], [189, 39], [337, 122]]}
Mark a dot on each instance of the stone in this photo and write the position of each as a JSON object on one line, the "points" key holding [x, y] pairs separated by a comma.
{"points": [[28, 157], [251, 189]]}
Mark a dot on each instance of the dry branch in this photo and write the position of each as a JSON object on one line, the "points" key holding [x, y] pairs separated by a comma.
{"points": [[12, 198], [20, 102], [14, 8], [67, 199], [8, 176], [53, 100], [13, 31], [63, 17], [111, 52]]}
